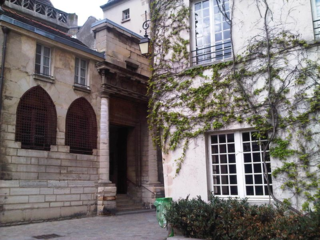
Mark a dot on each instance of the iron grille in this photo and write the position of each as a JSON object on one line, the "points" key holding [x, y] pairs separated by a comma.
{"points": [[36, 120], [81, 127], [209, 54]]}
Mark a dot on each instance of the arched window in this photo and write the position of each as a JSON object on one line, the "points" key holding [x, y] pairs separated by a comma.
{"points": [[81, 127], [36, 124]]}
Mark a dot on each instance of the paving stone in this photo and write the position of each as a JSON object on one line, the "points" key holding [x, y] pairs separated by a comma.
{"points": [[143, 226]]}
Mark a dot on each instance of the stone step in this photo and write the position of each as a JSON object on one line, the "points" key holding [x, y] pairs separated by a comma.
{"points": [[128, 204], [122, 196], [129, 208], [134, 211], [124, 200]]}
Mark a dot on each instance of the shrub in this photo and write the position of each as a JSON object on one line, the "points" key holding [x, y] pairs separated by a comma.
{"points": [[236, 219]]}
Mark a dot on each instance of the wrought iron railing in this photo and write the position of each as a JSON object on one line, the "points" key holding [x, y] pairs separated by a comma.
{"points": [[42, 8], [153, 194], [212, 53], [316, 27]]}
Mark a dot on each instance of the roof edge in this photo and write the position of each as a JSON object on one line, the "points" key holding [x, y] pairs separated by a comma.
{"points": [[51, 36], [106, 20], [108, 4]]}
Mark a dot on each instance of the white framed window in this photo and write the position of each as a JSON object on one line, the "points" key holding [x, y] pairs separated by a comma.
{"points": [[43, 60], [210, 32], [316, 17], [80, 72], [126, 14], [237, 168]]}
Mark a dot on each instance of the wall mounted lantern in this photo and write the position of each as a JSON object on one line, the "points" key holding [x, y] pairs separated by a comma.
{"points": [[145, 41]]}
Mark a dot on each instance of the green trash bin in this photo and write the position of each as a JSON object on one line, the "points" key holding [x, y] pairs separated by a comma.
{"points": [[162, 204]]}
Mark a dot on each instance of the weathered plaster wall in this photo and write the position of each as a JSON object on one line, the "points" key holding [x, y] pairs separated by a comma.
{"points": [[137, 14], [295, 16], [51, 184]]}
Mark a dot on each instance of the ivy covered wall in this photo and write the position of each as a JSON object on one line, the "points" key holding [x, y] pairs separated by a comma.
{"points": [[269, 85]]}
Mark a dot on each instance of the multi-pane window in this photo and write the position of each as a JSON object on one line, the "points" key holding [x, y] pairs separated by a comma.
{"points": [[211, 31], [81, 127], [43, 57], [80, 72], [316, 18], [237, 166], [126, 14], [36, 120]]}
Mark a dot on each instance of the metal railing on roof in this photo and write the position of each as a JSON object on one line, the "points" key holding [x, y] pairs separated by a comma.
{"points": [[42, 8], [217, 52]]}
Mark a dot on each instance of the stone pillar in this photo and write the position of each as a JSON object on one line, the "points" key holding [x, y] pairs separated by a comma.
{"points": [[104, 161], [153, 163], [106, 189], [153, 184]]}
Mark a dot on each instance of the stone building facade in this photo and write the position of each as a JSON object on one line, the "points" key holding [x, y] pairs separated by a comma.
{"points": [[132, 160], [45, 179], [73, 120]]}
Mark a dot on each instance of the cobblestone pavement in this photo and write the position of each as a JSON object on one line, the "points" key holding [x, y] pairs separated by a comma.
{"points": [[142, 226]]}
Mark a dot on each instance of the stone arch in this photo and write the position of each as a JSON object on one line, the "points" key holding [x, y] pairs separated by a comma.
{"points": [[81, 127], [36, 125]]}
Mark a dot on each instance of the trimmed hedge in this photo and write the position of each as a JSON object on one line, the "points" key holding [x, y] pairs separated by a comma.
{"points": [[236, 219]]}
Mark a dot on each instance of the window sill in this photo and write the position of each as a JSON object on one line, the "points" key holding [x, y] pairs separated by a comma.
{"points": [[81, 88], [44, 78], [125, 20]]}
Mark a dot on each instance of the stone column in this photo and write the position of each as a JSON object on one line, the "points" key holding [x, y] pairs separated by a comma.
{"points": [[106, 190], [153, 163], [153, 184], [104, 161]]}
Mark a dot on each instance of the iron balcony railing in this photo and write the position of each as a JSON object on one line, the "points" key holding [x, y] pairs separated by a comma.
{"points": [[42, 8], [212, 53], [316, 27]]}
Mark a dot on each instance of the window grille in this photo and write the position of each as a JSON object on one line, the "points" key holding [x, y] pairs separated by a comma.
{"points": [[36, 120], [81, 127]]}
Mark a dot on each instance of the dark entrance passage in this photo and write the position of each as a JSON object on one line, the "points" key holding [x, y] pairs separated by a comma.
{"points": [[118, 157]]}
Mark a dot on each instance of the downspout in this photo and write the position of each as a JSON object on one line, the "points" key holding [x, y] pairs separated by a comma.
{"points": [[5, 31]]}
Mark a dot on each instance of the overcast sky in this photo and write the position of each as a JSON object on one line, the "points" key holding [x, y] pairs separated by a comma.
{"points": [[82, 8]]}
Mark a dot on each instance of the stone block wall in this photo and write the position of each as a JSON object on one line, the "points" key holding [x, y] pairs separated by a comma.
{"points": [[119, 48], [44, 185]]}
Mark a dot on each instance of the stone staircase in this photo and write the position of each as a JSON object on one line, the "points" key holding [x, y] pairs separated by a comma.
{"points": [[125, 205]]}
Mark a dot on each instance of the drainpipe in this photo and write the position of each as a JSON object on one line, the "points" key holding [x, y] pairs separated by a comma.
{"points": [[5, 31]]}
